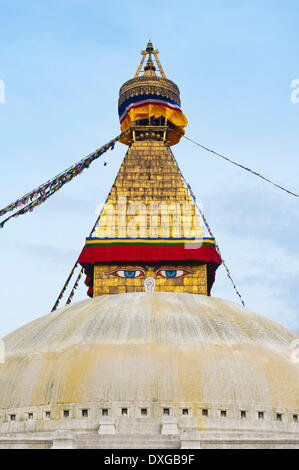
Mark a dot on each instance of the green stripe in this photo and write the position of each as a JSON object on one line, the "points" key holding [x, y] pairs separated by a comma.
{"points": [[149, 244]]}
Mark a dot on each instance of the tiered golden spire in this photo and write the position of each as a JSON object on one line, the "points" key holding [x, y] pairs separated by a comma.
{"points": [[150, 69], [151, 94], [148, 204], [149, 236]]}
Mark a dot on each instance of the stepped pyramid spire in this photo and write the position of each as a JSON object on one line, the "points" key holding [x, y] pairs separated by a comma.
{"points": [[149, 235], [150, 184]]}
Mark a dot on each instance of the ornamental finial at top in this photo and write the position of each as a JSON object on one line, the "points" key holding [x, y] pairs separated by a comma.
{"points": [[150, 99], [149, 68]]}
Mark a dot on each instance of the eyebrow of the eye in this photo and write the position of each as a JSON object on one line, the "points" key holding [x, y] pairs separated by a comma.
{"points": [[143, 267], [157, 267], [114, 271], [166, 268], [176, 269]]}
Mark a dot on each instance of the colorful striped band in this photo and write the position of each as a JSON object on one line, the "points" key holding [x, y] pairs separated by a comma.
{"points": [[142, 100], [150, 242]]}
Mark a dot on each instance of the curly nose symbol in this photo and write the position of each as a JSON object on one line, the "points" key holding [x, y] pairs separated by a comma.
{"points": [[149, 284]]}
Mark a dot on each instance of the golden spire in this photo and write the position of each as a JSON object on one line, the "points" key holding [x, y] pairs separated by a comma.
{"points": [[149, 221], [149, 69], [150, 94]]}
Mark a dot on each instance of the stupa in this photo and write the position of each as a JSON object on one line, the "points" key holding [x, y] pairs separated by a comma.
{"points": [[151, 360]]}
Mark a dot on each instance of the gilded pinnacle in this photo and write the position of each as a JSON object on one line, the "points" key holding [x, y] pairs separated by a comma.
{"points": [[149, 69]]}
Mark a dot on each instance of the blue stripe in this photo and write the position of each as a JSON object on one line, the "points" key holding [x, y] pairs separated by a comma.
{"points": [[136, 99]]}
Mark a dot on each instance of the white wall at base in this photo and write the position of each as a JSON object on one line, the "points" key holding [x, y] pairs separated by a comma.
{"points": [[190, 440], [169, 426], [64, 439], [107, 425]]}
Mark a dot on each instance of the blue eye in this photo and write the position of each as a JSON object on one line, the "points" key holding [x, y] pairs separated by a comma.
{"points": [[130, 273], [171, 273]]}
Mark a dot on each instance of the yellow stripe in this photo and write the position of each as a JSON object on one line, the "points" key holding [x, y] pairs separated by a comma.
{"points": [[158, 242], [145, 112]]}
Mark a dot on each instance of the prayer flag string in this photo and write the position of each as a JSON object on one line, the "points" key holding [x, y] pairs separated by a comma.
{"points": [[41, 194], [72, 273], [31, 206], [71, 295], [209, 230], [242, 166]]}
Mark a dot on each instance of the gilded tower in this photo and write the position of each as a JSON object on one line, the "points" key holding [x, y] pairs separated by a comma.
{"points": [[149, 236]]}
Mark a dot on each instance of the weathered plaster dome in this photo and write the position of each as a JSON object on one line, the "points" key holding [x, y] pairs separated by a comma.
{"points": [[149, 350]]}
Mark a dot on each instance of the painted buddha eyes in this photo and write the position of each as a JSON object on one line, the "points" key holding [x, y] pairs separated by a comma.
{"points": [[166, 273], [172, 273], [129, 274]]}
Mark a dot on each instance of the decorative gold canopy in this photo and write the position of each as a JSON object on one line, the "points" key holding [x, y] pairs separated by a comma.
{"points": [[151, 99]]}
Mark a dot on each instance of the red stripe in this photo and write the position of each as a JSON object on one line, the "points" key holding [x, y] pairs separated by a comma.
{"points": [[100, 254]]}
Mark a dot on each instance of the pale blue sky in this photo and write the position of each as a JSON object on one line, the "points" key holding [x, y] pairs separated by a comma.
{"points": [[63, 63]]}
